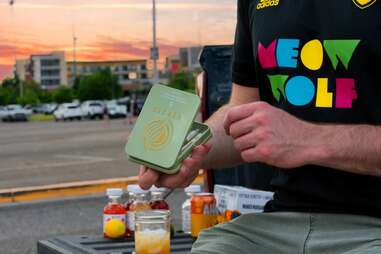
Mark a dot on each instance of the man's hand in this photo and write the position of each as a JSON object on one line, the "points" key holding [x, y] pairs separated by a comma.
{"points": [[186, 175], [263, 133]]}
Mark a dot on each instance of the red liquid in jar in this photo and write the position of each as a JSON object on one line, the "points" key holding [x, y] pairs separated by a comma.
{"points": [[159, 205]]}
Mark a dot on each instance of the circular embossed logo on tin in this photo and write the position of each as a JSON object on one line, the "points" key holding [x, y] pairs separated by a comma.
{"points": [[157, 134]]}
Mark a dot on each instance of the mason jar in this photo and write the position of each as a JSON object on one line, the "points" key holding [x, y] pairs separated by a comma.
{"points": [[152, 232]]}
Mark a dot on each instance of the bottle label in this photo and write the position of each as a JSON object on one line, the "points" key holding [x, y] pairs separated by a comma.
{"points": [[131, 220], [186, 220], [108, 217]]}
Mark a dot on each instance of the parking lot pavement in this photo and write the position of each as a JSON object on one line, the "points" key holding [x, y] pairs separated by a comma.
{"points": [[41, 153], [22, 225]]}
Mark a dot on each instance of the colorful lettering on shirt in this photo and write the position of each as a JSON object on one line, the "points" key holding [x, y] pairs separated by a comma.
{"points": [[277, 85], [324, 98], [312, 55], [267, 55], [340, 50], [302, 90], [287, 53], [345, 92]]}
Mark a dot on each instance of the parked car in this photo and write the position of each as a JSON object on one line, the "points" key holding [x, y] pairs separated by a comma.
{"points": [[68, 111], [38, 109], [28, 110], [15, 113], [3, 112], [49, 108], [116, 110], [92, 109]]}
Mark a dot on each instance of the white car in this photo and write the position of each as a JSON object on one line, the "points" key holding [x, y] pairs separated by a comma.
{"points": [[3, 112], [28, 110], [92, 109], [68, 111], [116, 110], [15, 113], [49, 108]]}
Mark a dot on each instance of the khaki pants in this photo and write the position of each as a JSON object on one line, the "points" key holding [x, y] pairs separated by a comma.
{"points": [[294, 233]]}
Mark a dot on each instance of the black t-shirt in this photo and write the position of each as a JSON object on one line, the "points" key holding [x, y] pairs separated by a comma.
{"points": [[319, 60]]}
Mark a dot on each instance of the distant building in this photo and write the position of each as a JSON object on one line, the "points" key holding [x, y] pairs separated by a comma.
{"points": [[48, 70], [52, 70], [172, 64], [131, 73], [189, 58]]}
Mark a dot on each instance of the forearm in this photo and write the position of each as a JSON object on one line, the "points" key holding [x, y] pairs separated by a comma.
{"points": [[351, 148], [222, 154]]}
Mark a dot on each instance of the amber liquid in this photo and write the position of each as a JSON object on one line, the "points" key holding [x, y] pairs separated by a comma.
{"points": [[202, 221], [136, 206], [140, 207], [152, 242]]}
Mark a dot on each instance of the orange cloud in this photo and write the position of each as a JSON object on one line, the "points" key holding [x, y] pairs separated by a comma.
{"points": [[109, 29], [108, 48], [5, 71], [17, 49], [130, 6], [105, 48]]}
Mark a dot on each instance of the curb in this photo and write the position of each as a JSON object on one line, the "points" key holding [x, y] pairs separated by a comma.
{"points": [[73, 189]]}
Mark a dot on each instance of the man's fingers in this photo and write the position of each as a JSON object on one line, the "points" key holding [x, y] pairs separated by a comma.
{"points": [[256, 154], [199, 152], [190, 180], [237, 113], [148, 178], [142, 170], [242, 127], [186, 173], [244, 142]]}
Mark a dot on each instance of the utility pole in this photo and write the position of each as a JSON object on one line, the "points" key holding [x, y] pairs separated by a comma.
{"points": [[74, 58], [154, 49], [19, 83]]}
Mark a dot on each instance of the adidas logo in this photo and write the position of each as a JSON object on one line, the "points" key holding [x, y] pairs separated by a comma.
{"points": [[267, 3]]}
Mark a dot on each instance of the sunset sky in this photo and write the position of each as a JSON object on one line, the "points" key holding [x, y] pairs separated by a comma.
{"points": [[110, 29]]}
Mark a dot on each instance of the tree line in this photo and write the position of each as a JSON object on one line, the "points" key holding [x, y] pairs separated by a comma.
{"points": [[101, 85]]}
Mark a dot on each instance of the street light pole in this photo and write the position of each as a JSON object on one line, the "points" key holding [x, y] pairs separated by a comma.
{"points": [[74, 58], [154, 50]]}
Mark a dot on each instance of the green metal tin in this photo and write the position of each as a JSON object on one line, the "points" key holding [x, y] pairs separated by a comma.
{"points": [[165, 132]]}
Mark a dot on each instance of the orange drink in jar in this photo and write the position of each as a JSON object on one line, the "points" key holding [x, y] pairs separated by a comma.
{"points": [[203, 212], [152, 232]]}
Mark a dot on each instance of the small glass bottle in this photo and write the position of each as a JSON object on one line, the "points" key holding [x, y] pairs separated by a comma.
{"points": [[140, 204], [130, 200], [186, 207], [152, 232], [157, 198], [114, 215]]}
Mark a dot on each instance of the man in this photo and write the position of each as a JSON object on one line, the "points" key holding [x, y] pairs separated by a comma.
{"points": [[305, 99]]}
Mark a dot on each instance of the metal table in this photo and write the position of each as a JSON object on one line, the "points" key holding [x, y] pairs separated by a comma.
{"points": [[181, 243]]}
